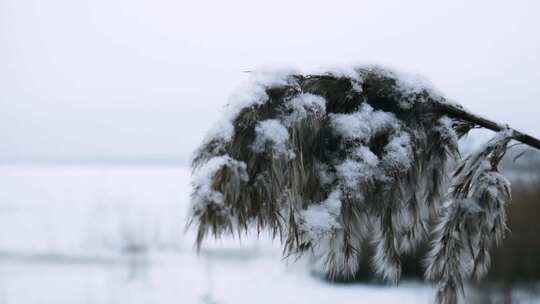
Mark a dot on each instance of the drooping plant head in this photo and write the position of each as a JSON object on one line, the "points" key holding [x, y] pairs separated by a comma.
{"points": [[334, 163], [472, 220]]}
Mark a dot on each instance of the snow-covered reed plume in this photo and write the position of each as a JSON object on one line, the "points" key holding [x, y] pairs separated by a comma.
{"points": [[472, 220], [336, 162]]}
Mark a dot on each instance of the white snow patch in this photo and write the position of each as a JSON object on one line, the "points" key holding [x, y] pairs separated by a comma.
{"points": [[351, 172], [336, 70], [272, 77], [348, 72], [326, 176], [412, 84], [320, 220], [310, 101], [250, 93], [203, 177], [398, 152], [492, 182], [272, 132], [365, 154], [304, 103], [363, 124]]}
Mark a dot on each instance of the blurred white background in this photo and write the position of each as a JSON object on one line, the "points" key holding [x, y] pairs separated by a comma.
{"points": [[102, 103]]}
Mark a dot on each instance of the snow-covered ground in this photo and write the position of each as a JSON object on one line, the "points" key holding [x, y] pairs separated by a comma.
{"points": [[81, 234]]}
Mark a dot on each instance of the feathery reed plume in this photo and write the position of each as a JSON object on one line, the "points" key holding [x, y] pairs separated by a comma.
{"points": [[472, 220], [334, 162]]}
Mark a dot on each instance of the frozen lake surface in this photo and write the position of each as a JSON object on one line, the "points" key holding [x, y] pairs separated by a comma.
{"points": [[81, 234]]}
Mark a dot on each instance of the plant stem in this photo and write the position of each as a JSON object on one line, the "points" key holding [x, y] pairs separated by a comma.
{"points": [[460, 113]]}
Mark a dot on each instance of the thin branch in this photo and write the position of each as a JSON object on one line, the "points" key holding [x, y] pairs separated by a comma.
{"points": [[459, 113]]}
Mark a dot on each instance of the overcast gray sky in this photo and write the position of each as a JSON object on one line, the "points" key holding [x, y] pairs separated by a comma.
{"points": [[129, 79]]}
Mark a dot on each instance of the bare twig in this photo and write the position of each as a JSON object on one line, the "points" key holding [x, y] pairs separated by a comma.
{"points": [[460, 113]]}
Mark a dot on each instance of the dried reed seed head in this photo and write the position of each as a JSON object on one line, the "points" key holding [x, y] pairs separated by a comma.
{"points": [[330, 163]]}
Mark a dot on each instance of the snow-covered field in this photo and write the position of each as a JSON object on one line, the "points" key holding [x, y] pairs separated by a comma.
{"points": [[81, 234]]}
